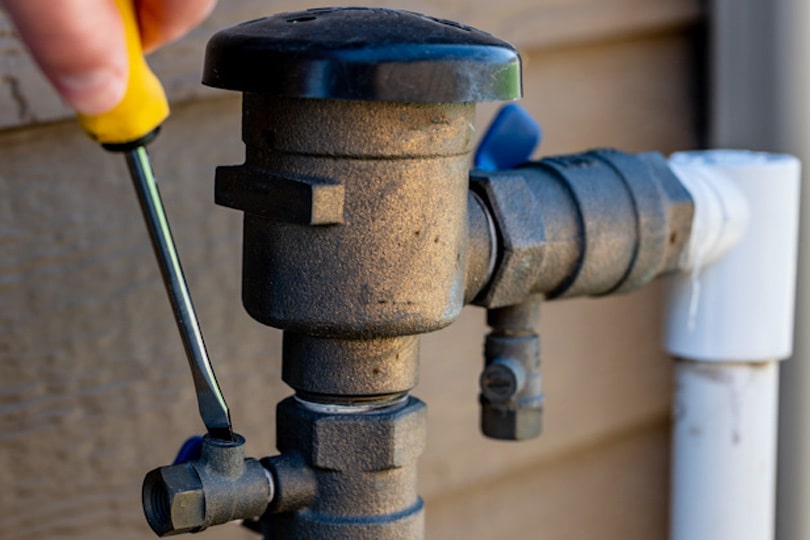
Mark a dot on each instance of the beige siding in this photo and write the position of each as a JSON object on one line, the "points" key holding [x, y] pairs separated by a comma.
{"points": [[94, 389], [626, 496], [25, 97]]}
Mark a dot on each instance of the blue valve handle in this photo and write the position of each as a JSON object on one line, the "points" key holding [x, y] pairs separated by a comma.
{"points": [[190, 451], [509, 141]]}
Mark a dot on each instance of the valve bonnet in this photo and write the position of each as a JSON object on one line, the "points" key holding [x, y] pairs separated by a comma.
{"points": [[368, 54]]}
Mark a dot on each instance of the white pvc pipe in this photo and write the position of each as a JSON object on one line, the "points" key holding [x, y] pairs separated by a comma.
{"points": [[724, 450], [729, 320], [721, 210]]}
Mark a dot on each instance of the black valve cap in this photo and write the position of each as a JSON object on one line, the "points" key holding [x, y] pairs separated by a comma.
{"points": [[369, 54]]}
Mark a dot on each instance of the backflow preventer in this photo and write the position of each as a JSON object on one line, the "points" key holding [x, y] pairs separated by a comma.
{"points": [[364, 228]]}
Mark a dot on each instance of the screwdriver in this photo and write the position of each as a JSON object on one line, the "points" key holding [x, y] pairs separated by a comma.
{"points": [[127, 129]]}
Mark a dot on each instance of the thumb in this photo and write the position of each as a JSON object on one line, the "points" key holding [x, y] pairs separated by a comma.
{"points": [[79, 45]]}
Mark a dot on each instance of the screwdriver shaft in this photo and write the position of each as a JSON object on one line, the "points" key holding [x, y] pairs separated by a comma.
{"points": [[213, 409]]}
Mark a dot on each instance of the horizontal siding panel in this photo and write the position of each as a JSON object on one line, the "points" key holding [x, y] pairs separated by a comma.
{"points": [[603, 372], [26, 98], [616, 491]]}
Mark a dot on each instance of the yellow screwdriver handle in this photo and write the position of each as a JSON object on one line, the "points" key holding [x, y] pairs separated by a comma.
{"points": [[144, 106]]}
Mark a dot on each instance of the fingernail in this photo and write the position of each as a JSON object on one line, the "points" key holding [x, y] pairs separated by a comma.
{"points": [[94, 92]]}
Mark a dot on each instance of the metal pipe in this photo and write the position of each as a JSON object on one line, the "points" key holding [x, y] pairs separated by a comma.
{"points": [[593, 223]]}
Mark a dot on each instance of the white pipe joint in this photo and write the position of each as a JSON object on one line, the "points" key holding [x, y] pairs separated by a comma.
{"points": [[729, 320], [735, 300]]}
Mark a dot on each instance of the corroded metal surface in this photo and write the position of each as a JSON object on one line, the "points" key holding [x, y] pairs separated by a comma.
{"points": [[221, 486], [396, 265], [361, 233], [511, 386], [351, 369], [584, 224], [364, 466], [358, 124]]}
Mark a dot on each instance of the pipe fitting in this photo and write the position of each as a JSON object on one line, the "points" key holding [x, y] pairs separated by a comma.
{"points": [[711, 315], [585, 224], [219, 487], [362, 368], [347, 471], [295, 481], [511, 385]]}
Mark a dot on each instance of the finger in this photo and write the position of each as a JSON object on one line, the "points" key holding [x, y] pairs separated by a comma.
{"points": [[79, 46], [163, 21]]}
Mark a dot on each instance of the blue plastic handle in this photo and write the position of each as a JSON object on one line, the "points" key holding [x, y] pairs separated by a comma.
{"points": [[190, 451], [509, 141]]}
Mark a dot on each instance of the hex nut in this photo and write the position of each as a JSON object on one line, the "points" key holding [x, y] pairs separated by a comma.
{"points": [[174, 500], [518, 220], [341, 441], [511, 424]]}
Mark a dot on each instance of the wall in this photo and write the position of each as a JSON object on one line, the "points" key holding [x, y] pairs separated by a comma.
{"points": [[94, 389]]}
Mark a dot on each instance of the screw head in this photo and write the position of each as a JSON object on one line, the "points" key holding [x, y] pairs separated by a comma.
{"points": [[502, 380]]}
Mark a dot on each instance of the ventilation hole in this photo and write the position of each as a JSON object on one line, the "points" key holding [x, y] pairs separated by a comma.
{"points": [[305, 18]]}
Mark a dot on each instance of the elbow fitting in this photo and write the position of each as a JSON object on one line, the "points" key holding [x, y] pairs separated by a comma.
{"points": [[219, 487]]}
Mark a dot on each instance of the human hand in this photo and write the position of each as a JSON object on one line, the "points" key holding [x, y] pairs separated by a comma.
{"points": [[79, 44]]}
